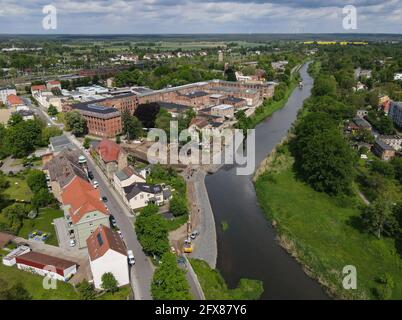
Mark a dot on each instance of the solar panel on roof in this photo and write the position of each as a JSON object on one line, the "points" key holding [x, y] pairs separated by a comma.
{"points": [[100, 240]]}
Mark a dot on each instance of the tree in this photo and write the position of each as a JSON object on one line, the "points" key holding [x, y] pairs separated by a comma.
{"points": [[22, 137], [15, 119], [14, 214], [324, 159], [17, 292], [133, 128], [397, 164], [42, 198], [109, 282], [36, 180], [76, 123], [379, 218], [48, 132], [178, 205], [384, 292], [152, 231], [52, 111], [169, 282], [324, 86], [230, 74], [87, 143], [86, 291]]}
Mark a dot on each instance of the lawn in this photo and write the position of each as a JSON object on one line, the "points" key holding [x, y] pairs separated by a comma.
{"points": [[215, 288], [176, 223], [18, 189], [43, 222], [122, 294], [34, 285], [323, 232]]}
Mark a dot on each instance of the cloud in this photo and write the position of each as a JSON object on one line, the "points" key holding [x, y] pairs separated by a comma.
{"points": [[200, 16]]}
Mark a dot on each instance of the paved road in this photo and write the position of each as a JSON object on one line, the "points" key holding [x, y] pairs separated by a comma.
{"points": [[205, 246], [142, 272]]}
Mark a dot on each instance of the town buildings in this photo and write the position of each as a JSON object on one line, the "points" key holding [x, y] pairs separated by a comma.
{"points": [[45, 265], [107, 254], [394, 141], [383, 150], [127, 177], [111, 157], [5, 92], [395, 113], [83, 209], [139, 195]]}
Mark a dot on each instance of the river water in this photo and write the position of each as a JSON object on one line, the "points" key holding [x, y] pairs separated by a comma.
{"points": [[248, 248]]}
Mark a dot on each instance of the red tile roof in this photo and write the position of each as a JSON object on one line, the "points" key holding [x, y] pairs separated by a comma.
{"points": [[40, 87], [54, 82], [82, 198], [14, 100], [108, 150], [199, 122], [40, 261], [102, 240]]}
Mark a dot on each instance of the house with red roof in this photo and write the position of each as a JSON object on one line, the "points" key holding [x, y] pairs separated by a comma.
{"points": [[14, 101], [112, 157], [38, 88], [84, 209], [107, 253], [54, 84]]}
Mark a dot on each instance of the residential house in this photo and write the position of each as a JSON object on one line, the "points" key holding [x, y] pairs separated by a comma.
{"points": [[84, 210], [395, 113], [62, 168], [26, 114], [362, 124], [45, 265], [5, 92], [107, 254], [126, 177], [361, 113], [14, 101], [112, 157], [394, 141], [57, 144], [38, 88], [383, 150], [139, 195], [54, 84]]}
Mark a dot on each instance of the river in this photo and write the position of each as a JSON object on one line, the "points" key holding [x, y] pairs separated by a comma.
{"points": [[248, 248]]}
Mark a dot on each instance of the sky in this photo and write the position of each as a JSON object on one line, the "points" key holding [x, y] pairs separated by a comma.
{"points": [[199, 16]]}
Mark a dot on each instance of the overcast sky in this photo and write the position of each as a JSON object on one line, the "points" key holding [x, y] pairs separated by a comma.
{"points": [[200, 16]]}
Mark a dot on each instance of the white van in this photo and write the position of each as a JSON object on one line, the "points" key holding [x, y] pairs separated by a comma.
{"points": [[130, 257]]}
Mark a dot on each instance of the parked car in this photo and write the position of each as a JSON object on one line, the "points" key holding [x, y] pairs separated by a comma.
{"points": [[96, 184], [130, 256], [72, 243], [90, 175], [104, 199], [194, 234], [120, 234], [113, 221]]}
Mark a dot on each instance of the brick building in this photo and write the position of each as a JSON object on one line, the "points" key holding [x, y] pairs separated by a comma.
{"points": [[101, 121]]}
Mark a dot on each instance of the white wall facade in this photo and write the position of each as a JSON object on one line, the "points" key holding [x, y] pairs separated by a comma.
{"points": [[113, 262]]}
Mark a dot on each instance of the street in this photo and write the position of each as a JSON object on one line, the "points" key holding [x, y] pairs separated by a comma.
{"points": [[142, 272]]}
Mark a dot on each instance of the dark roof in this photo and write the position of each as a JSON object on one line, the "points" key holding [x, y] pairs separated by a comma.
{"points": [[173, 106], [65, 166], [94, 107], [134, 189], [60, 142], [383, 145], [196, 94], [361, 122], [233, 100]]}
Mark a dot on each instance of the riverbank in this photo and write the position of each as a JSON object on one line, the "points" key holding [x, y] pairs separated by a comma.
{"points": [[321, 232]]}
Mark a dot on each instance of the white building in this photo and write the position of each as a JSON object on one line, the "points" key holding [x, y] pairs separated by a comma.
{"points": [[398, 76], [126, 177], [10, 259], [139, 195], [5, 92], [43, 265], [107, 254], [223, 110], [93, 90]]}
